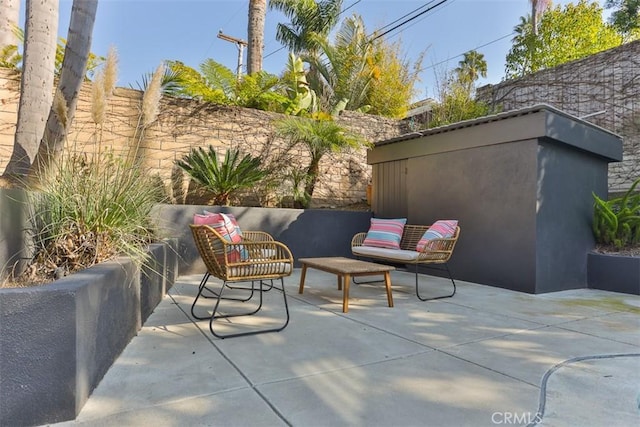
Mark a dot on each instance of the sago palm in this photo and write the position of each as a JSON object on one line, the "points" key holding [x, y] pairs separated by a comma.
{"points": [[224, 179]]}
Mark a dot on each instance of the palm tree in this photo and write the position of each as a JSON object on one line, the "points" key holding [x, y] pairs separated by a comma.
{"points": [[320, 137], [345, 69], [470, 68], [41, 32], [309, 20], [255, 32], [537, 7], [74, 64]]}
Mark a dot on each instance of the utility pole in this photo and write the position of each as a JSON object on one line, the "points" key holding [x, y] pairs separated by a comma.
{"points": [[240, 44]]}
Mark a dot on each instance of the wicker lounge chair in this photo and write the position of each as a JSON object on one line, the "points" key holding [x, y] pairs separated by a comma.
{"points": [[257, 259], [437, 251]]}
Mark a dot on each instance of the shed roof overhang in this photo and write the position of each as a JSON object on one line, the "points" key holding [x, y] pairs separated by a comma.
{"points": [[532, 123]]}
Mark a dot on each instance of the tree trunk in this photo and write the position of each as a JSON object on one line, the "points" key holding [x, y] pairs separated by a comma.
{"points": [[74, 63], [9, 15], [255, 31], [36, 84], [312, 176]]}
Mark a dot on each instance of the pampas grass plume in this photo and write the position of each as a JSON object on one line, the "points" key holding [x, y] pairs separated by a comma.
{"points": [[110, 72], [151, 97], [98, 99]]}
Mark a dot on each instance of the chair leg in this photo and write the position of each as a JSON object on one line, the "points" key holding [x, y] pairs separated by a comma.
{"points": [[440, 297], [203, 286], [262, 289]]}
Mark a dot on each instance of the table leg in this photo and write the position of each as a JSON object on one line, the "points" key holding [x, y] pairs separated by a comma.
{"points": [[303, 274], [339, 282], [345, 293], [387, 283]]}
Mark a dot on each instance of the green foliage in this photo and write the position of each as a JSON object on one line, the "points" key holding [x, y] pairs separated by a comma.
{"points": [[310, 19], [169, 84], [192, 84], [564, 34], [89, 209], [223, 179], [319, 135], [345, 69], [220, 85], [616, 222], [456, 102], [9, 57], [260, 90], [300, 96], [626, 16], [394, 80], [93, 61], [470, 68]]}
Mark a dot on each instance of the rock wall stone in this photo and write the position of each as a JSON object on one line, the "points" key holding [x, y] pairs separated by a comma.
{"points": [[183, 124], [603, 89]]}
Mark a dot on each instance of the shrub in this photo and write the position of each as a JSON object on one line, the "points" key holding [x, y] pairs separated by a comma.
{"points": [[223, 179], [90, 209], [616, 222]]}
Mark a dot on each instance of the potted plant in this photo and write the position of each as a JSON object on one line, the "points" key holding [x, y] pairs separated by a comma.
{"points": [[615, 263]]}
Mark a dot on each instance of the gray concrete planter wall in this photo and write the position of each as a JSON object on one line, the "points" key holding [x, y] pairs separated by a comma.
{"points": [[615, 273], [57, 341], [13, 222]]}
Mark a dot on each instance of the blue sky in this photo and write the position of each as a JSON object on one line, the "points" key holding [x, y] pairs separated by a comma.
{"points": [[146, 32]]}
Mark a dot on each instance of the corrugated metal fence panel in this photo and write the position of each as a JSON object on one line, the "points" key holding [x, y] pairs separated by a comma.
{"points": [[389, 181]]}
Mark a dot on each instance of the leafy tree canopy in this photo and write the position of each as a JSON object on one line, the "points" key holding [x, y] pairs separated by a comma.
{"points": [[394, 80], [626, 16], [564, 34]]}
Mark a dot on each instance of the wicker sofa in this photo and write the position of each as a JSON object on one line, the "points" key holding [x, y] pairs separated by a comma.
{"points": [[437, 251]]}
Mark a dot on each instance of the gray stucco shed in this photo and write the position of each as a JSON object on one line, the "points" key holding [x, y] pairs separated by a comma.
{"points": [[519, 182]]}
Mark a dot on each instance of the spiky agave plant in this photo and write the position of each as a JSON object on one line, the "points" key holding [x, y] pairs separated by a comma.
{"points": [[223, 179]]}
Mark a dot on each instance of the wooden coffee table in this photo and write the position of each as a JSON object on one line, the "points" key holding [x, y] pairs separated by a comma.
{"points": [[346, 268]]}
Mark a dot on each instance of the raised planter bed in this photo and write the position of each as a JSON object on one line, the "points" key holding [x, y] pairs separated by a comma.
{"points": [[57, 341], [611, 272]]}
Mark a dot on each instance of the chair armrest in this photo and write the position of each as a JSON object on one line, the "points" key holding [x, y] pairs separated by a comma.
{"points": [[257, 236], [439, 250], [358, 239], [259, 261], [261, 252]]}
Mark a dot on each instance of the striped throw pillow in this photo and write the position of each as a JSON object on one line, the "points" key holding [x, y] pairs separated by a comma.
{"points": [[228, 228], [442, 228], [385, 233]]}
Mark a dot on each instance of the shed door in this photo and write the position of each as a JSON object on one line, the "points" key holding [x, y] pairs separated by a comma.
{"points": [[389, 182]]}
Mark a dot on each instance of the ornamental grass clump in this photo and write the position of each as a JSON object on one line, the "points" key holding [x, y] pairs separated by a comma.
{"points": [[616, 222], [88, 209]]}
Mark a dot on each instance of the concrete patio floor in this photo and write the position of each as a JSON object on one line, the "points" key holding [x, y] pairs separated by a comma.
{"points": [[485, 357]]}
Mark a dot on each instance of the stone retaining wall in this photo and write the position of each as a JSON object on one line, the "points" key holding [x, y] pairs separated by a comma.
{"points": [[183, 124]]}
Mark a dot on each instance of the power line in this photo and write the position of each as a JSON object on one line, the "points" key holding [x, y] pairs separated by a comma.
{"points": [[475, 48], [409, 20], [422, 19], [404, 16]]}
